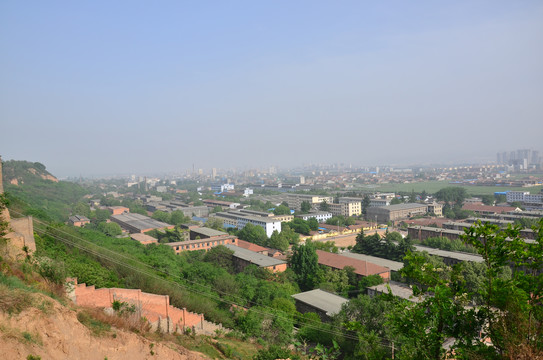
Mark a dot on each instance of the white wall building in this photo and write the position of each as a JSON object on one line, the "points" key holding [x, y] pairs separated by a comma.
{"points": [[524, 197], [321, 216]]}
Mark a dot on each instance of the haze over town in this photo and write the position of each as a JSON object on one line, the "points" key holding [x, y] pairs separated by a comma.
{"points": [[130, 87]]}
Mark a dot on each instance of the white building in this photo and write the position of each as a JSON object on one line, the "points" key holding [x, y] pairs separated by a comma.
{"points": [[239, 220], [321, 216], [379, 202], [222, 187], [247, 192], [268, 224], [524, 197]]}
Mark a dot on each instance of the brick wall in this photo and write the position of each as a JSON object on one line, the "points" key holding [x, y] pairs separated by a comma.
{"points": [[155, 308]]}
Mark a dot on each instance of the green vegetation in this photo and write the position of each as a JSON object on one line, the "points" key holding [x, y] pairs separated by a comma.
{"points": [[434, 186], [393, 246], [282, 209], [97, 327], [304, 263], [305, 207], [340, 220], [39, 197], [444, 243]]}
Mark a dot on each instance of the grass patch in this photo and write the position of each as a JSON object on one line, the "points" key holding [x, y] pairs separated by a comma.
{"points": [[13, 301], [97, 327], [434, 186], [222, 348], [21, 336], [101, 323]]}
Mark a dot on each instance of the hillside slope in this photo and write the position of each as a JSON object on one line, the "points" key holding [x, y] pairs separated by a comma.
{"points": [[53, 331], [34, 191]]}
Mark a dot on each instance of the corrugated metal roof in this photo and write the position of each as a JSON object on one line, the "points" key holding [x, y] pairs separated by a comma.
{"points": [[254, 257], [325, 301]]}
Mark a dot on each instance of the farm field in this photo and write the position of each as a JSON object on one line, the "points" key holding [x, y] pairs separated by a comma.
{"points": [[434, 186]]}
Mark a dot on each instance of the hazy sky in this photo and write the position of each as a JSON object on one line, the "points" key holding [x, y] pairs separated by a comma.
{"points": [[96, 87]]}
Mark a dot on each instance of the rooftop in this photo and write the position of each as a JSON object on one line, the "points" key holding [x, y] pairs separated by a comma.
{"points": [[254, 257], [208, 232], [322, 300], [250, 246], [391, 264], [397, 289], [76, 218], [139, 221], [450, 254], [405, 206], [361, 267]]}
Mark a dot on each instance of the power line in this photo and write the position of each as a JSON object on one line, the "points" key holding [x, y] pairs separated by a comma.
{"points": [[311, 324]]}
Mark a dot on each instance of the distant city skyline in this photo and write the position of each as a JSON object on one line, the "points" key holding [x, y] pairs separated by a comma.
{"points": [[133, 87]]}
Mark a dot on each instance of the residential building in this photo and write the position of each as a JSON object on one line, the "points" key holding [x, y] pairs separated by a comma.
{"points": [[282, 218], [450, 257], [361, 267], [379, 202], [424, 232], [143, 238], [321, 302], [295, 200], [400, 290], [488, 210], [78, 220], [118, 210], [353, 206], [222, 187], [205, 233], [321, 216], [202, 244], [435, 208], [244, 258], [137, 223], [270, 225], [524, 197], [239, 220], [390, 264]]}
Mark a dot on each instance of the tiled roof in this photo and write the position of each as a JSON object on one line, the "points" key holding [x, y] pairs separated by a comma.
{"points": [[361, 267]]}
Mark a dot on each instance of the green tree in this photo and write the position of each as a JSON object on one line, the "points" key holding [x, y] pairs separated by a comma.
{"points": [[305, 264], [452, 195], [281, 210], [82, 208], [254, 234], [300, 226], [215, 223], [177, 217], [412, 197], [220, 256], [324, 206], [365, 204], [488, 199], [396, 201], [161, 216], [101, 215], [110, 229], [4, 225], [338, 220], [313, 224], [305, 207], [277, 241]]}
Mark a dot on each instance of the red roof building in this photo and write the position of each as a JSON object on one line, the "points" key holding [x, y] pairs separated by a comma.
{"points": [[361, 267]]}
